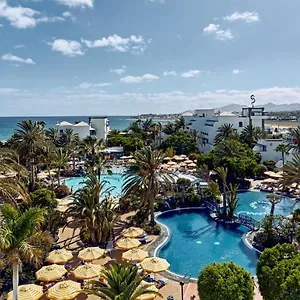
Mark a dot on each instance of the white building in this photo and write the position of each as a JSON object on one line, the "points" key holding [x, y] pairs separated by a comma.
{"points": [[98, 127], [101, 126], [205, 123], [267, 149]]}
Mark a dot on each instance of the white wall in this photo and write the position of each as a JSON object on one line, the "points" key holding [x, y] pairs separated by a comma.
{"points": [[101, 125], [266, 148], [82, 131]]}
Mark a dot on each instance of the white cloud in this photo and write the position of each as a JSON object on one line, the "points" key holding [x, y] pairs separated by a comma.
{"points": [[191, 73], [19, 46], [8, 91], [119, 71], [220, 34], [135, 44], [12, 58], [236, 71], [247, 16], [86, 85], [170, 73], [77, 3], [139, 79], [67, 47], [158, 1], [1, 25], [24, 17], [67, 14]]}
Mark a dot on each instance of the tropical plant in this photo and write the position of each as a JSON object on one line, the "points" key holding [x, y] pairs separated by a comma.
{"points": [[222, 172], [21, 239], [94, 216], [96, 164], [180, 123], [60, 161], [44, 198], [295, 135], [232, 199], [224, 132], [91, 145], [291, 171], [273, 199], [250, 135], [145, 175], [169, 128], [27, 140], [122, 282], [283, 149], [52, 134], [225, 281], [212, 191]]}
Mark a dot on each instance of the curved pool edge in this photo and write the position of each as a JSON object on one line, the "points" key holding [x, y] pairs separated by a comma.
{"points": [[166, 235]]}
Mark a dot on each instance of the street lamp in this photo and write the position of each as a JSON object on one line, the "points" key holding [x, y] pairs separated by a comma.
{"points": [[181, 285]]}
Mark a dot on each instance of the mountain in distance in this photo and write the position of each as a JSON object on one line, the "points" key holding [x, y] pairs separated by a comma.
{"points": [[269, 107]]}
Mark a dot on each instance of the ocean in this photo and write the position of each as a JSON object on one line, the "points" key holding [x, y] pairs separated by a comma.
{"points": [[9, 124]]}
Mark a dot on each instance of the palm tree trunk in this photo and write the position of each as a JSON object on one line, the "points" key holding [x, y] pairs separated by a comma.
{"points": [[32, 177], [15, 267], [272, 209], [73, 162], [152, 218], [58, 177], [51, 178], [282, 158], [224, 201]]}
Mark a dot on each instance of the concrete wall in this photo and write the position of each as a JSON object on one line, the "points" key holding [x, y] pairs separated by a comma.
{"points": [[101, 125], [266, 148], [82, 131]]}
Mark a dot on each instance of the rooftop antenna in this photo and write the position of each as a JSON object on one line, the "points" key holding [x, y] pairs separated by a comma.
{"points": [[252, 97]]}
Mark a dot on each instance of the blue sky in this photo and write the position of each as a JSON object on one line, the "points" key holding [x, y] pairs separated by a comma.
{"points": [[117, 57]]}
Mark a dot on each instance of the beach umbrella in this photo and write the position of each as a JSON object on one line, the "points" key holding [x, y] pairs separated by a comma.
{"points": [[167, 158], [91, 253], [155, 265], [188, 161], [65, 290], [133, 232], [59, 256], [123, 157], [28, 292], [171, 163], [50, 273], [276, 175], [87, 271], [127, 243], [191, 165], [135, 255], [269, 180], [183, 155], [150, 287]]}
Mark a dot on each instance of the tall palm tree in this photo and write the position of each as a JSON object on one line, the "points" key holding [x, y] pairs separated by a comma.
{"points": [[91, 145], [87, 209], [291, 172], [224, 132], [145, 173], [96, 164], [122, 282], [250, 135], [60, 161], [21, 238], [180, 123], [27, 140], [284, 150], [52, 134], [232, 199], [295, 143], [222, 172], [273, 199]]}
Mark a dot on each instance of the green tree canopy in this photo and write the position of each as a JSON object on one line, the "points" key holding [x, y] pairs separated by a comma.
{"points": [[183, 142], [44, 198], [225, 281], [278, 273]]}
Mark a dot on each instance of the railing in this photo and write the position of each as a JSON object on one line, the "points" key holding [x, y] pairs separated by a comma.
{"points": [[210, 205], [249, 222]]}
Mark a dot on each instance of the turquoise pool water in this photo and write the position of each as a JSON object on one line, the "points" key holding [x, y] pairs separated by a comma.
{"points": [[196, 240], [256, 205], [114, 180]]}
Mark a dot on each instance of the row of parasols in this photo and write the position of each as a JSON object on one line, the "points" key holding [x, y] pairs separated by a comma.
{"points": [[69, 289]]}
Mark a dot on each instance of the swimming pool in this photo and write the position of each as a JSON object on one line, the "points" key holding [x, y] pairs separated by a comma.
{"points": [[115, 180], [196, 240]]}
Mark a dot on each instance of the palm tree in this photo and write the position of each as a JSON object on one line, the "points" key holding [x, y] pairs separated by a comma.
{"points": [[273, 199], [232, 199], [291, 171], [283, 149], [146, 174], [250, 134], [97, 164], [91, 145], [60, 161], [27, 139], [87, 209], [180, 123], [222, 172], [21, 238], [52, 134], [295, 143], [224, 132], [122, 283], [169, 128]]}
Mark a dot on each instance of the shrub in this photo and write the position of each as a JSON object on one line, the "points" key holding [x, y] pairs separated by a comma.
{"points": [[155, 230], [270, 164], [44, 198], [62, 191], [225, 281], [193, 199]]}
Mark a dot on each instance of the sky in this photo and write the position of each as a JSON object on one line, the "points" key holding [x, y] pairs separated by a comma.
{"points": [[124, 57]]}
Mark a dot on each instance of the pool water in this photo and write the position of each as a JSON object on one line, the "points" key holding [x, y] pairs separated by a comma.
{"points": [[256, 205], [197, 241], [114, 180]]}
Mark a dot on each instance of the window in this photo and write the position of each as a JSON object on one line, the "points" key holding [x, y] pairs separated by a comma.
{"points": [[240, 124]]}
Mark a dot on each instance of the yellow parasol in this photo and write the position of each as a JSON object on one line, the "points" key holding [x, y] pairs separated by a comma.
{"points": [[135, 255], [50, 273], [91, 253], [188, 161], [191, 165], [133, 232], [171, 163], [127, 243], [87, 271], [269, 180], [59, 256], [155, 265], [167, 158], [150, 287], [66, 290], [28, 292]]}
